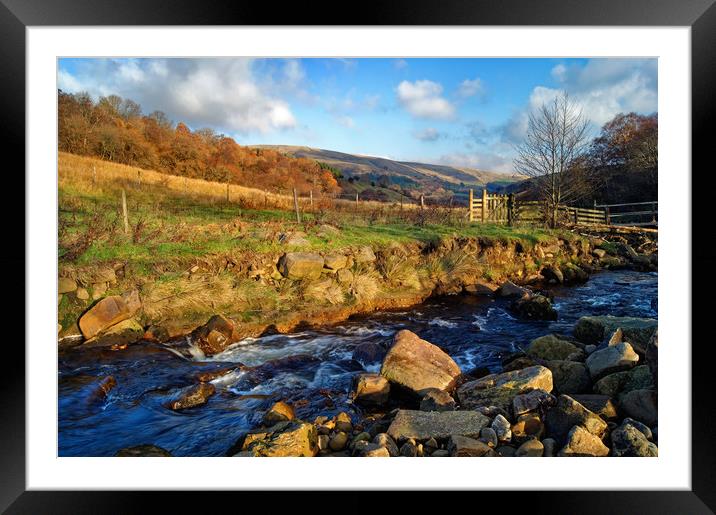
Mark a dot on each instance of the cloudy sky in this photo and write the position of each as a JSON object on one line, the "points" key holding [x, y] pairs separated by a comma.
{"points": [[467, 112]]}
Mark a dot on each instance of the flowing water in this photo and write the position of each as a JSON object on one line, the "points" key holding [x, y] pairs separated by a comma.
{"points": [[312, 369]]}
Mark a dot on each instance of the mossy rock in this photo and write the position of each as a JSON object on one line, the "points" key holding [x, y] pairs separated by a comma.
{"points": [[550, 347]]}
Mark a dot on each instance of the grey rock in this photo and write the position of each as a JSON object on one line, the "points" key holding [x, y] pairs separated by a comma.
{"points": [[422, 425]]}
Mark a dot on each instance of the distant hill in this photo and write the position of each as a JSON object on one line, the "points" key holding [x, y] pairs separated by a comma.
{"points": [[404, 177]]}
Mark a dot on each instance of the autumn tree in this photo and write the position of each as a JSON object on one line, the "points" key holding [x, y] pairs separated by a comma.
{"points": [[553, 152]]}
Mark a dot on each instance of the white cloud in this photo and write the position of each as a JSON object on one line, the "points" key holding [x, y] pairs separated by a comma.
{"points": [[428, 134], [226, 94], [486, 161], [470, 87], [602, 88], [423, 99], [346, 121], [400, 64]]}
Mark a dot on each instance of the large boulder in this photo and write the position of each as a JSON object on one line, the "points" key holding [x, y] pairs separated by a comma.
{"points": [[279, 412], [601, 405], [423, 425], [641, 405], [500, 389], [437, 400], [567, 413], [108, 312], [335, 262], [123, 333], [533, 400], [511, 290], [295, 438], [574, 274], [627, 440], [581, 442], [301, 265], [569, 376], [417, 365], [371, 390], [534, 307], [613, 358], [367, 353], [551, 347], [595, 329]]}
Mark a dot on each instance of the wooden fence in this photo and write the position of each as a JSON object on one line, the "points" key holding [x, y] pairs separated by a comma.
{"points": [[498, 208], [631, 214]]}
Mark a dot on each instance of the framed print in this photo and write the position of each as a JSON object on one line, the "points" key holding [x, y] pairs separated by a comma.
{"points": [[428, 232]]}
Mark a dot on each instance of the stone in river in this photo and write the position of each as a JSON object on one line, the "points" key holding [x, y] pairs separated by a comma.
{"points": [[214, 336], [192, 396], [595, 329], [417, 365], [106, 313], [423, 425], [500, 389]]}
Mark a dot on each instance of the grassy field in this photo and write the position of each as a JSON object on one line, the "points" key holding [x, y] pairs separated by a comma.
{"points": [[176, 224]]}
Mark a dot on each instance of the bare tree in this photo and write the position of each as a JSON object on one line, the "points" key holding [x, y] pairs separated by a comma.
{"points": [[552, 154]]}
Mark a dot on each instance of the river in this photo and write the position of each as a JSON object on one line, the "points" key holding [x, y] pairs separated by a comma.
{"points": [[312, 369]]}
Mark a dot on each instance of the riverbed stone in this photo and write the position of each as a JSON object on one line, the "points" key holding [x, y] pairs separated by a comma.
{"points": [[417, 365], [368, 353], [532, 448], [371, 390], [192, 396], [511, 290], [637, 378], [104, 314], [581, 442], [123, 333], [343, 422], [385, 440], [534, 307], [214, 336], [279, 412], [295, 438], [550, 446], [573, 273], [301, 265], [614, 358], [552, 274], [567, 413], [409, 449], [551, 347], [480, 288], [437, 400], [595, 329], [338, 441], [627, 440], [156, 333], [643, 428], [502, 428], [602, 405], [462, 446], [569, 376], [532, 401], [501, 389], [423, 425], [641, 405], [488, 435], [371, 450]]}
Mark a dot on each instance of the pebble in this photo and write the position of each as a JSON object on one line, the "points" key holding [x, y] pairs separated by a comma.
{"points": [[641, 427], [323, 442], [440, 453], [384, 440]]}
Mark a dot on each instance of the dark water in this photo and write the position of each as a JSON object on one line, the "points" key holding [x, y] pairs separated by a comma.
{"points": [[311, 369]]}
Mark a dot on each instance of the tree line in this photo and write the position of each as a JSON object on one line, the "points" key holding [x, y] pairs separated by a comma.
{"points": [[115, 129], [565, 167]]}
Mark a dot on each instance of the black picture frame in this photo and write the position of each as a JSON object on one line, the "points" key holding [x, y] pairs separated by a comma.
{"points": [[700, 15]]}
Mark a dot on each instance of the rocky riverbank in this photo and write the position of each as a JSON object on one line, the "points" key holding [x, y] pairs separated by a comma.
{"points": [[318, 288], [591, 394]]}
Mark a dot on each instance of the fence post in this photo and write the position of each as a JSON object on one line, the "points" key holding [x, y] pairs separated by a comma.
{"points": [[606, 215], [484, 204], [139, 179], [295, 205], [311, 193], [185, 185], [124, 212], [576, 216], [356, 199], [470, 215], [510, 208], [422, 202], [94, 175]]}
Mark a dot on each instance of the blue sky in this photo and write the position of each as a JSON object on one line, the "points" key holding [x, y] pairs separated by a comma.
{"points": [[464, 112]]}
